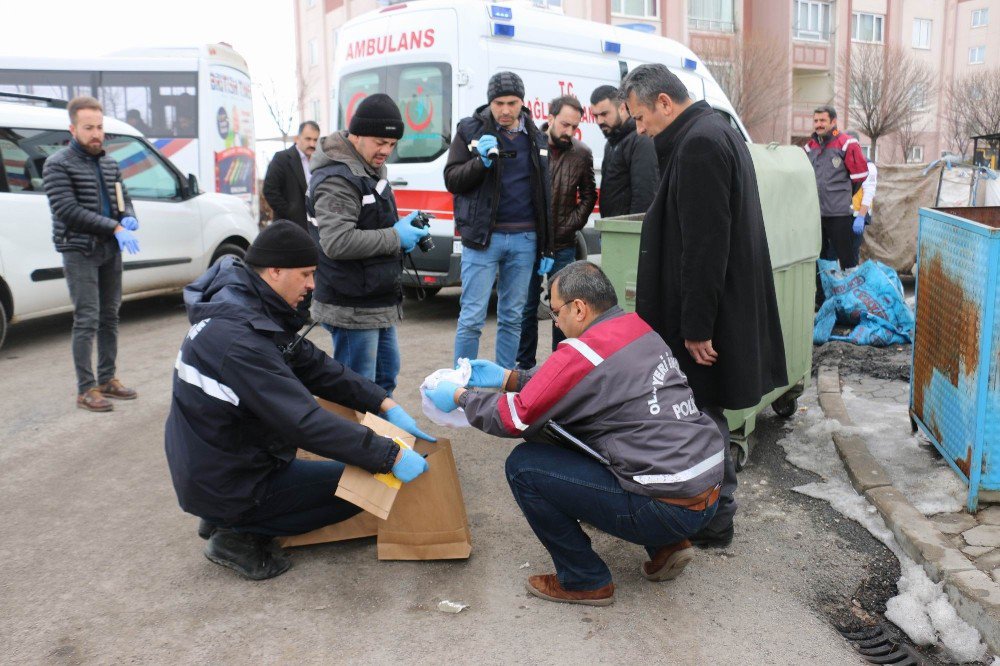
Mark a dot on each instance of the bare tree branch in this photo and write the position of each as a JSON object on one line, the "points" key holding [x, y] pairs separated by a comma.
{"points": [[887, 86], [753, 72], [281, 110]]}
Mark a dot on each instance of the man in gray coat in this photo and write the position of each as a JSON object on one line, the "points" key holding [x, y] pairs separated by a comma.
{"points": [[652, 467], [358, 296]]}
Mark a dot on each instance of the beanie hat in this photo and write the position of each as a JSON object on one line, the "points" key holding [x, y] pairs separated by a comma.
{"points": [[283, 244], [377, 115], [504, 83]]}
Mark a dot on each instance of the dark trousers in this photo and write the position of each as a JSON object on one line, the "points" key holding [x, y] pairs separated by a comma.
{"points": [[557, 488], [723, 518], [298, 499], [95, 287], [838, 240], [528, 347]]}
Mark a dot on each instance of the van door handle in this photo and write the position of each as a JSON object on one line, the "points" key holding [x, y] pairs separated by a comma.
{"points": [[399, 182]]}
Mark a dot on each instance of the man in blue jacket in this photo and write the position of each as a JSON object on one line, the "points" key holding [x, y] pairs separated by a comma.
{"points": [[243, 403]]}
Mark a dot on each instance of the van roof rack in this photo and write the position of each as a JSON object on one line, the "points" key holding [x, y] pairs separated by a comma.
{"points": [[50, 102]]}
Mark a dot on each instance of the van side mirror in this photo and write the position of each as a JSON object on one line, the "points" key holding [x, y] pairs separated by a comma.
{"points": [[193, 185]]}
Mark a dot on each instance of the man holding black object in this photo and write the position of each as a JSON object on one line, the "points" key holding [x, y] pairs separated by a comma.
{"points": [[614, 384]]}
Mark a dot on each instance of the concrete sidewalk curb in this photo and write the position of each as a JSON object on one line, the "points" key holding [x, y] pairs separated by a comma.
{"points": [[975, 596]]}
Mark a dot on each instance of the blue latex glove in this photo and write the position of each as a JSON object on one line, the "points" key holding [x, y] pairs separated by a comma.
{"points": [[130, 223], [443, 396], [545, 265], [409, 234], [486, 374], [398, 417], [859, 224], [127, 241], [486, 143], [410, 466]]}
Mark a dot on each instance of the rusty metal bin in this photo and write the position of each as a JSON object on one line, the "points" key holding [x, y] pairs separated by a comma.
{"points": [[955, 384]]}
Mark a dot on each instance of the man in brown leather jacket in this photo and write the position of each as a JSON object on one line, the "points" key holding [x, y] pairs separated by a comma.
{"points": [[574, 193]]}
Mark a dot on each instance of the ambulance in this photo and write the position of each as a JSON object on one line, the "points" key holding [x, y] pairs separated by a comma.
{"points": [[435, 57]]}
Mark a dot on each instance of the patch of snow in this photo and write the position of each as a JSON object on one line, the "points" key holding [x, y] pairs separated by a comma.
{"points": [[921, 609]]}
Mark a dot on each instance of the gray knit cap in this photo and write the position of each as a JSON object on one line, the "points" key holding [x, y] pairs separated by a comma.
{"points": [[504, 83]]}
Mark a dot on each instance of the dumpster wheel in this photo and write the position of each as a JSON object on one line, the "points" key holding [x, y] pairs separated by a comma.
{"points": [[785, 406], [740, 452]]}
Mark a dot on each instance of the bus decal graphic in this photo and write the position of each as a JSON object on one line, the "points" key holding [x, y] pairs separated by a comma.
{"points": [[424, 111], [234, 170], [170, 147]]}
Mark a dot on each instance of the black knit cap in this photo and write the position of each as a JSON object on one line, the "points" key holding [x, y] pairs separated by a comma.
{"points": [[283, 244], [504, 83], [377, 115]]}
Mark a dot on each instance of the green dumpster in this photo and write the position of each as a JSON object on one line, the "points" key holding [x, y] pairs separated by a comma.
{"points": [[790, 204]]}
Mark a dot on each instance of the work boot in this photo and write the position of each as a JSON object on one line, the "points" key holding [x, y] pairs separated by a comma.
{"points": [[549, 588], [250, 555], [721, 539], [206, 529], [93, 401], [115, 389], [668, 562]]}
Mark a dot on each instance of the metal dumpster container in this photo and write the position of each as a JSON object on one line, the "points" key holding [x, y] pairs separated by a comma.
{"points": [[954, 390], [790, 203]]}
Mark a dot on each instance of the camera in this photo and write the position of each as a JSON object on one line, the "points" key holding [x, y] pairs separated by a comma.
{"points": [[423, 221]]}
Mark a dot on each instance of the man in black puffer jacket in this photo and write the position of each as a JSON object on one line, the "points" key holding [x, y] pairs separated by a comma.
{"points": [[90, 228]]}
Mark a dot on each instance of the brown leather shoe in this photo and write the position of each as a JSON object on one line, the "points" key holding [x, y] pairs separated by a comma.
{"points": [[115, 389], [669, 561], [92, 400], [548, 587]]}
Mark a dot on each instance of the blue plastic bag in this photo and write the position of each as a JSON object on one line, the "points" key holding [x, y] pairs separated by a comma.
{"points": [[868, 298]]}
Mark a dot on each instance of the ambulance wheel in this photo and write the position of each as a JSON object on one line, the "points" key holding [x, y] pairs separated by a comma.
{"points": [[785, 407], [740, 456]]}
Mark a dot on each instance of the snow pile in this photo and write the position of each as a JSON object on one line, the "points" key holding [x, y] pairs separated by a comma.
{"points": [[921, 608]]}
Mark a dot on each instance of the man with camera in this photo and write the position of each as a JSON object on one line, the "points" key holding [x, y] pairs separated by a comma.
{"points": [[498, 172], [358, 296]]}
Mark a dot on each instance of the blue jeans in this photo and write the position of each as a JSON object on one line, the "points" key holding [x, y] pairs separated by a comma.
{"points": [[556, 488], [373, 353], [529, 319], [513, 256], [298, 499]]}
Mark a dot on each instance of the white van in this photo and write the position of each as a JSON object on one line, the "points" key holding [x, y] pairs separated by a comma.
{"points": [[435, 58], [181, 229]]}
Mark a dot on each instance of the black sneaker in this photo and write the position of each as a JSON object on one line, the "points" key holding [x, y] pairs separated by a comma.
{"points": [[705, 539], [254, 556], [206, 529]]}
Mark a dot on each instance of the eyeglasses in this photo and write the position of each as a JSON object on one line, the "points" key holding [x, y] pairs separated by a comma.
{"points": [[554, 312]]}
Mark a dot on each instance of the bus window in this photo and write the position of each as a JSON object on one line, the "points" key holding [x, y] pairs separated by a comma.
{"points": [[158, 104], [423, 93], [54, 84], [144, 174]]}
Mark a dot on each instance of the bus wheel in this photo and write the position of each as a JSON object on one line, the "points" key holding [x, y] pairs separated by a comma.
{"points": [[227, 250]]}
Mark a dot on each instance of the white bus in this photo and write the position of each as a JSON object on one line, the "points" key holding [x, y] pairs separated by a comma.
{"points": [[193, 104]]}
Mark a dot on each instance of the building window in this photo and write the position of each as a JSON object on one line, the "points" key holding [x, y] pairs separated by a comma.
{"points": [[640, 8], [867, 152], [314, 106], [310, 3], [980, 17], [714, 15], [867, 27], [812, 20], [313, 53], [977, 55], [921, 33], [916, 154], [918, 95]]}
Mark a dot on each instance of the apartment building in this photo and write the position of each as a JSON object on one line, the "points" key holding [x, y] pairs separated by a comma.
{"points": [[813, 40]]}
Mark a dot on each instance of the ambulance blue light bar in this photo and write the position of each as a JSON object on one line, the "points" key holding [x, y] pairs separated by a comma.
{"points": [[689, 64], [501, 13], [503, 30], [611, 47]]}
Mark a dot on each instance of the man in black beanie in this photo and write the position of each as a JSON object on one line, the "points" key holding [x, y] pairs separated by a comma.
{"points": [[358, 296], [243, 403], [498, 172]]}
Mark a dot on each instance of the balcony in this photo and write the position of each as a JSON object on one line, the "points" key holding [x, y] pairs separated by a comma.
{"points": [[814, 56]]}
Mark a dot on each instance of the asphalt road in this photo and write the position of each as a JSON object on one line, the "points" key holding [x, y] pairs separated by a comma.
{"points": [[98, 564]]}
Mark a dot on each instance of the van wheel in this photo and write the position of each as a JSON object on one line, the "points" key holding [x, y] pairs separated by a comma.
{"points": [[581, 246], [3, 324], [227, 250]]}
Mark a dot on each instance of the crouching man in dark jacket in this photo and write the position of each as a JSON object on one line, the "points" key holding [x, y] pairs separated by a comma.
{"points": [[243, 402], [656, 468]]}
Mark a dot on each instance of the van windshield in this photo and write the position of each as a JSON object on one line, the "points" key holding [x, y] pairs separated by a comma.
{"points": [[423, 93]]}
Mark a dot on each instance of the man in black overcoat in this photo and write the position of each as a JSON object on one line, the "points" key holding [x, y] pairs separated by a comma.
{"points": [[704, 279], [287, 178]]}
